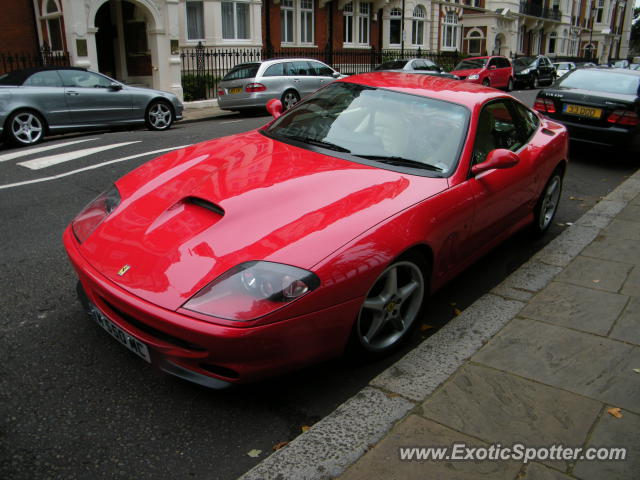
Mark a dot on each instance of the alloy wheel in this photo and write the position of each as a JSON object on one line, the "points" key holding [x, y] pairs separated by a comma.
{"points": [[26, 128], [549, 204], [159, 116]]}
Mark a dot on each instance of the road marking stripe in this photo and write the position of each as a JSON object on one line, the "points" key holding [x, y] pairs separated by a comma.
{"points": [[50, 160], [24, 153], [90, 167], [230, 121]]}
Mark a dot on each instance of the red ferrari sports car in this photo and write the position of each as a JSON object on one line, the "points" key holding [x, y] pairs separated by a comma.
{"points": [[250, 255]]}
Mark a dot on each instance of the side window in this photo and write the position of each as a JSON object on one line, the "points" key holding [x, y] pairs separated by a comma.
{"points": [[493, 63], [83, 79], [48, 78], [418, 65], [430, 66], [300, 68], [496, 129], [276, 70], [527, 120], [505, 63], [321, 69]]}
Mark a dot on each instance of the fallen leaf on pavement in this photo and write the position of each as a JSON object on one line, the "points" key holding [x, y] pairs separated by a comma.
{"points": [[595, 281], [278, 446], [615, 411], [305, 428], [569, 224], [392, 395], [637, 370], [425, 327], [254, 453], [457, 311]]}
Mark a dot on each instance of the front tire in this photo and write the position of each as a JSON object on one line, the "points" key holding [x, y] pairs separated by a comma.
{"points": [[289, 99], [535, 82], [486, 82], [547, 204], [158, 116], [391, 308], [510, 84], [25, 128]]}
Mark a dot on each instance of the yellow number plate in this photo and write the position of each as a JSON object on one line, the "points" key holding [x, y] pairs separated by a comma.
{"points": [[235, 90], [582, 111]]}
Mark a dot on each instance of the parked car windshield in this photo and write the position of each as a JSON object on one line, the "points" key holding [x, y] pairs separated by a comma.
{"points": [[523, 61], [602, 81], [246, 70], [471, 63], [392, 65], [377, 124]]}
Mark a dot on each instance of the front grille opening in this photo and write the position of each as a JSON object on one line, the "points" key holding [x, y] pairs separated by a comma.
{"points": [[218, 370], [160, 335]]}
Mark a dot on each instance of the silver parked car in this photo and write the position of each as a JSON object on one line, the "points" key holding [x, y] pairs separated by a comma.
{"points": [[252, 85], [42, 100], [415, 65], [562, 68]]}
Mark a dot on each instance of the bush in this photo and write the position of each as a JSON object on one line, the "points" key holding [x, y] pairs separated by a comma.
{"points": [[198, 87]]}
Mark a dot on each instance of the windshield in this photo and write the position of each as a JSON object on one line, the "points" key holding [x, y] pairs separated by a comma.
{"points": [[523, 61], [380, 125], [246, 70], [392, 65], [471, 63], [601, 81]]}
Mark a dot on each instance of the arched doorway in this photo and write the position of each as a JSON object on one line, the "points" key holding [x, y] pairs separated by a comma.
{"points": [[498, 44], [122, 44]]}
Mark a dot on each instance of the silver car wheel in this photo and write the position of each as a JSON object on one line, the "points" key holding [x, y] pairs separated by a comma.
{"points": [[26, 128], [159, 116], [289, 99], [550, 200], [391, 307]]}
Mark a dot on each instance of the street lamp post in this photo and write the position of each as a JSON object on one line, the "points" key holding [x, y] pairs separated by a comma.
{"points": [[402, 32]]}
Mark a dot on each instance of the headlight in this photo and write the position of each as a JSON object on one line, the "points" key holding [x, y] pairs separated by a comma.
{"points": [[251, 290], [473, 77], [526, 71], [94, 213]]}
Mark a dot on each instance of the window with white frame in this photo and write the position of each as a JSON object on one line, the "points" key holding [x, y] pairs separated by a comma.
{"points": [[599, 10], [395, 26], [348, 23], [475, 42], [297, 21], [235, 21], [195, 20], [521, 34], [417, 26], [364, 12], [450, 32], [52, 16]]}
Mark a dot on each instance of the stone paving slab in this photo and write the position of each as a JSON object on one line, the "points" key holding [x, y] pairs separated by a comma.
{"points": [[576, 307], [615, 249], [536, 471], [635, 201], [564, 248], [630, 213], [595, 273], [593, 366], [613, 432], [384, 458], [624, 229], [627, 328], [632, 285], [530, 278], [498, 407]]}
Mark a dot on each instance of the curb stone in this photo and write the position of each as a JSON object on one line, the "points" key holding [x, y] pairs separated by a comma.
{"points": [[340, 439]]}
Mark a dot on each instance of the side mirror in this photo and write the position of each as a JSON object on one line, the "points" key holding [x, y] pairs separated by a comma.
{"points": [[492, 67], [499, 158], [274, 107], [336, 74], [115, 86]]}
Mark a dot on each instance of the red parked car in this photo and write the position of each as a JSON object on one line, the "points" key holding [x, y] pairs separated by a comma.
{"points": [[494, 72], [250, 255]]}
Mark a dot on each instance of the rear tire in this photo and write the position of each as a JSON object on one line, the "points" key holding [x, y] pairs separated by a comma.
{"points": [[289, 99], [24, 128], [159, 116], [392, 308], [547, 204]]}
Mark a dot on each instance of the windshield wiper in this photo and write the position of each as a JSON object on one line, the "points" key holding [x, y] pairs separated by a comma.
{"points": [[316, 142], [400, 161]]}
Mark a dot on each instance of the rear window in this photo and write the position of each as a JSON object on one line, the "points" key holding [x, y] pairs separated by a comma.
{"points": [[246, 70], [471, 63], [602, 81]]}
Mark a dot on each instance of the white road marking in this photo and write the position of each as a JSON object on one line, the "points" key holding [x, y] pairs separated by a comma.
{"points": [[44, 162], [230, 121], [90, 167], [29, 151]]}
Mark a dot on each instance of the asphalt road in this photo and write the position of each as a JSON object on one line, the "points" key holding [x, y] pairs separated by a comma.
{"points": [[75, 404]]}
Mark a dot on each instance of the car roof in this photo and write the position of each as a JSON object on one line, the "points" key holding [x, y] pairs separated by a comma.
{"points": [[17, 77], [431, 86]]}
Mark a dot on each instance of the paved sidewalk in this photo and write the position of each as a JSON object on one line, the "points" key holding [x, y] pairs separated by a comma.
{"points": [[203, 110], [538, 361]]}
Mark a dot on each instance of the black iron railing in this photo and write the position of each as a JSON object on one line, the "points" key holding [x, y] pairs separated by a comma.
{"points": [[10, 61], [537, 10], [204, 67]]}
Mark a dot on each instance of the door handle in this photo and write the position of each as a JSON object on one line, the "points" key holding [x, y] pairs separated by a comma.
{"points": [[72, 92]]}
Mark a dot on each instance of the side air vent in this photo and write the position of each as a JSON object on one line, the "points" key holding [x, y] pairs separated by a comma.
{"points": [[206, 204]]}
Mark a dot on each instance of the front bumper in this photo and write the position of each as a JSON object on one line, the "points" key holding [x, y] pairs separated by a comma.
{"points": [[210, 354]]}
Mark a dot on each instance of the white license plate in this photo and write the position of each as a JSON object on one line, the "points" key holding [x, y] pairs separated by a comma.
{"points": [[132, 343]]}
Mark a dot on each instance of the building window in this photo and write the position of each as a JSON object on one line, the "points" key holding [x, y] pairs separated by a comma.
{"points": [[417, 27], [521, 34], [395, 26], [599, 10], [552, 42], [235, 21], [348, 23], [52, 16], [450, 34], [475, 43], [363, 23], [195, 20], [287, 13], [306, 21]]}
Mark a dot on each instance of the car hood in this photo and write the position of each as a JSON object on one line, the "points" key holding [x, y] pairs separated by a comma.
{"points": [[467, 72], [190, 215]]}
